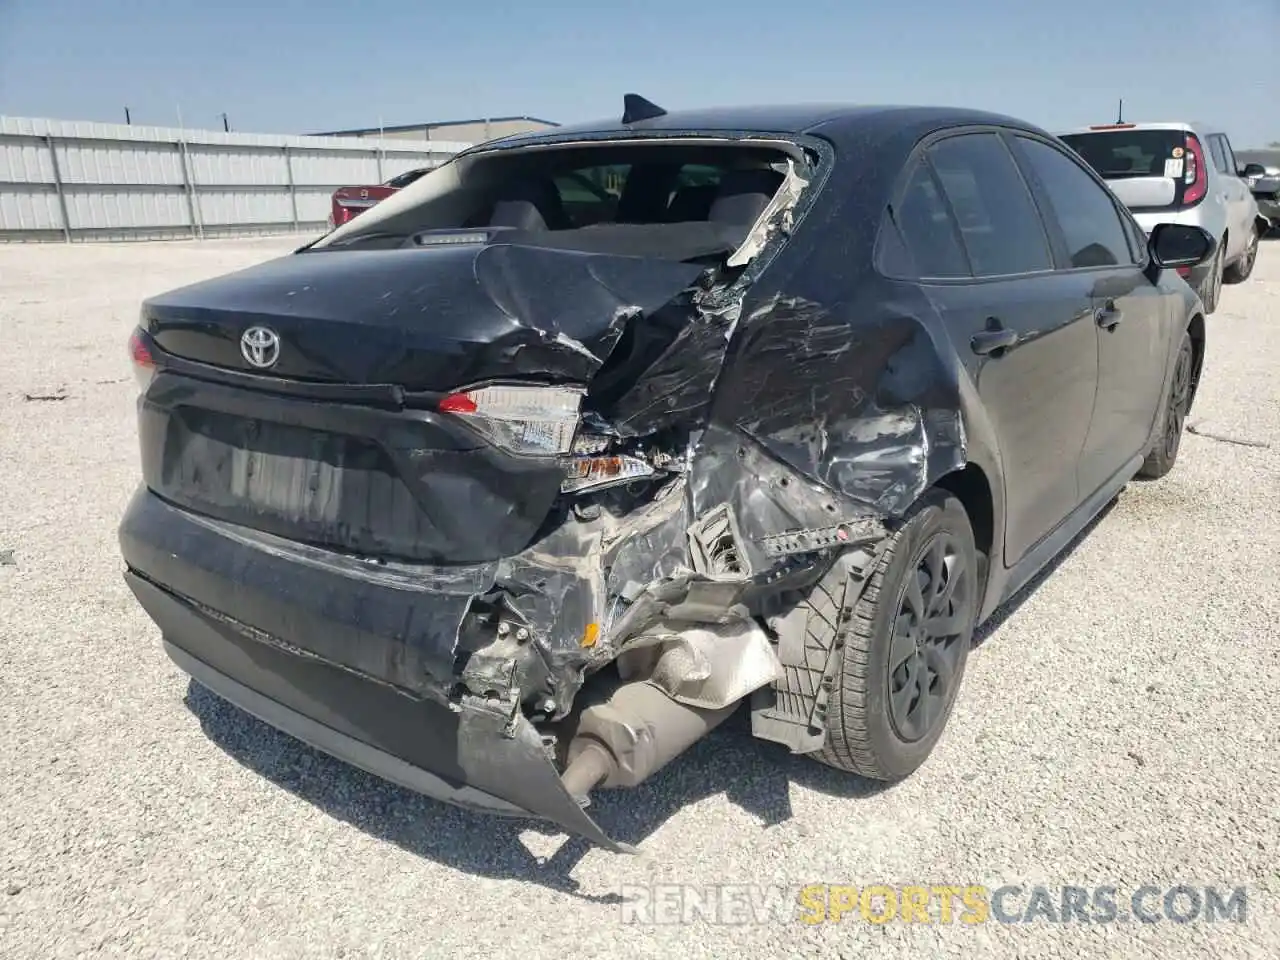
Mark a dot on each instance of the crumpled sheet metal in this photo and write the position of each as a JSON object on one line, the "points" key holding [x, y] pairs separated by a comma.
{"points": [[843, 423], [575, 575], [506, 757], [801, 415], [565, 294], [677, 388], [869, 410], [766, 495]]}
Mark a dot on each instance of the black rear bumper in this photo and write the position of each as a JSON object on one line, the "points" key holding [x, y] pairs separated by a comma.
{"points": [[396, 624], [253, 624]]}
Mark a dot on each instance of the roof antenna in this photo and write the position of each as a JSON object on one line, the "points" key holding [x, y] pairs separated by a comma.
{"points": [[636, 107], [1120, 115]]}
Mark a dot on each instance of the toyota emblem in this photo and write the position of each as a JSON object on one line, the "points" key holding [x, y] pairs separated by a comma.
{"points": [[260, 347]]}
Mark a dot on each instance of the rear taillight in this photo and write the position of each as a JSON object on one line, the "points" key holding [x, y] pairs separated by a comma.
{"points": [[144, 365], [543, 421], [1196, 175], [531, 421]]}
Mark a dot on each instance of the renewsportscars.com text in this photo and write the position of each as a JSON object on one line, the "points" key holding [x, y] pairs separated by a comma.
{"points": [[961, 904]]}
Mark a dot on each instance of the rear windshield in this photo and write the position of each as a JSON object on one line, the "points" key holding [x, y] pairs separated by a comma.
{"points": [[1125, 155], [1120, 154], [676, 201]]}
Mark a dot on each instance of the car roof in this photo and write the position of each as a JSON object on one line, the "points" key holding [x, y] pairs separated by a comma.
{"points": [[834, 121]]}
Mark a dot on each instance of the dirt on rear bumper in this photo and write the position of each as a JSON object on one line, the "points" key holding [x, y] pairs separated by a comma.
{"points": [[465, 754]]}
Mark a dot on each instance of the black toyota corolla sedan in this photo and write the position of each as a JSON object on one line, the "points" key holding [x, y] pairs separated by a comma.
{"points": [[520, 483]]}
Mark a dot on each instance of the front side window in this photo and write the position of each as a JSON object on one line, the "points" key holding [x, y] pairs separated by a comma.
{"points": [[999, 224], [1137, 241], [1092, 227]]}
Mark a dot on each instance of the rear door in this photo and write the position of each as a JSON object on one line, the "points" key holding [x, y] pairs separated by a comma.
{"points": [[1235, 194], [1097, 247], [1025, 333]]}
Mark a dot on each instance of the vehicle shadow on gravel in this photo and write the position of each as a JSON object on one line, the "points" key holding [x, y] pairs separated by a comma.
{"points": [[753, 775], [1012, 605]]}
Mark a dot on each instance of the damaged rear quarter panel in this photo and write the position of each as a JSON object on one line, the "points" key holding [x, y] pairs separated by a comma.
{"points": [[818, 392], [848, 377]]}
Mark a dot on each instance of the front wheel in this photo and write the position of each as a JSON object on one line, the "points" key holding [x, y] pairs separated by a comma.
{"points": [[1173, 415], [906, 646]]}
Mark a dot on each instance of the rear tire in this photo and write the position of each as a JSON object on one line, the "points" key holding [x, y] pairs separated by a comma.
{"points": [[1173, 415], [906, 645], [1240, 271], [1212, 286]]}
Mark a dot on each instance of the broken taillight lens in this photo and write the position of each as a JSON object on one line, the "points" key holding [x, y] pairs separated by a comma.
{"points": [[144, 364], [531, 421], [587, 473]]}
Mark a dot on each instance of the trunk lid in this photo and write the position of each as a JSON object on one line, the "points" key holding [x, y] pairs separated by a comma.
{"points": [[298, 449], [431, 319]]}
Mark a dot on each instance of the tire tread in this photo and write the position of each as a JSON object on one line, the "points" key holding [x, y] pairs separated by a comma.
{"points": [[848, 745]]}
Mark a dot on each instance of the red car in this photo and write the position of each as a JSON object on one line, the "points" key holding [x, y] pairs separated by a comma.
{"points": [[350, 201]]}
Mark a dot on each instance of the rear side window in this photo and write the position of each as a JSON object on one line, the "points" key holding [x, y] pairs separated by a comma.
{"points": [[1218, 150], [927, 230], [998, 220], [1232, 164], [1224, 158], [1093, 229]]}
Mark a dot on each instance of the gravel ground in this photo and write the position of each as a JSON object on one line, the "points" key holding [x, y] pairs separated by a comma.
{"points": [[1116, 727]]}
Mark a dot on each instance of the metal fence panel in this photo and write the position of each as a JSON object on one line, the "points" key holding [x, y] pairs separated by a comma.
{"points": [[73, 180], [30, 211], [26, 161], [249, 166]]}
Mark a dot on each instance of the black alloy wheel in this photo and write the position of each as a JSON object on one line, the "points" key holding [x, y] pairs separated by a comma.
{"points": [[928, 630]]}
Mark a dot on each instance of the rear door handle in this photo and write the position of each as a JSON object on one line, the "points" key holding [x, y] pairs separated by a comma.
{"points": [[1108, 316], [994, 340]]}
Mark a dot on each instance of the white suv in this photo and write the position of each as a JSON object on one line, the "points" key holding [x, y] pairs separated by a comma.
{"points": [[1180, 173]]}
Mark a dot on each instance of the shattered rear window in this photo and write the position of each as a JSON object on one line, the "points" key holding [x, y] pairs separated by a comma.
{"points": [[689, 200]]}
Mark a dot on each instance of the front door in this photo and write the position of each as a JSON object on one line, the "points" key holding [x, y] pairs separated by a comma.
{"points": [[1026, 333], [1098, 248]]}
